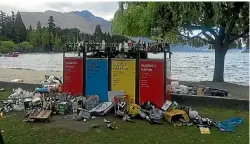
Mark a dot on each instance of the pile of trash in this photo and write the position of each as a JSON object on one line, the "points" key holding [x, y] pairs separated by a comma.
{"points": [[48, 100], [51, 83], [191, 90]]}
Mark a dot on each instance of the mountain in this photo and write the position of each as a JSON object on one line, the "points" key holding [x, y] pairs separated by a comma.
{"points": [[91, 18], [85, 21]]}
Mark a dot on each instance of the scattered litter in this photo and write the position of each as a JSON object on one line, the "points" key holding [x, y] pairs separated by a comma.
{"points": [[42, 90], [102, 108], [176, 115], [203, 122], [229, 124], [199, 91], [2, 90], [166, 105], [127, 118], [204, 130], [106, 121], [110, 126], [47, 101], [84, 114], [91, 102], [133, 110], [193, 114], [120, 109]]}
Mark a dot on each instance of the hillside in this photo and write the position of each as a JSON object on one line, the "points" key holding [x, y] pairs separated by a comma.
{"points": [[85, 21]]}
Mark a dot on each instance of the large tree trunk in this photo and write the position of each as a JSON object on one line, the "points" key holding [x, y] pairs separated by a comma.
{"points": [[220, 53]]}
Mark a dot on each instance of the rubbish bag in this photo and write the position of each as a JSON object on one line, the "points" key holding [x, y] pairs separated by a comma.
{"points": [[133, 110], [229, 124], [155, 115], [147, 106], [91, 102]]}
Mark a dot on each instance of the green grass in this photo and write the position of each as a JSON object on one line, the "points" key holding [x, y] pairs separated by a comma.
{"points": [[141, 132]]}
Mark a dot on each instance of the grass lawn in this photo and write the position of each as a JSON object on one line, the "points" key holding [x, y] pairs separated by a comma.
{"points": [[60, 131]]}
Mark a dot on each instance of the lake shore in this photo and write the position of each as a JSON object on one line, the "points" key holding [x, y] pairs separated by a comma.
{"points": [[28, 76], [35, 77]]}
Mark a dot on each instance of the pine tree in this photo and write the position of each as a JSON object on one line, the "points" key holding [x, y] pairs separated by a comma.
{"points": [[20, 28], [30, 28], [13, 33], [51, 28], [8, 28], [98, 33], [39, 26], [2, 24]]}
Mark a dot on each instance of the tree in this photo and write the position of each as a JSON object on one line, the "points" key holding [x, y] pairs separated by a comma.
{"points": [[7, 46], [98, 34], [58, 43], [38, 26], [20, 29], [2, 24], [51, 30], [218, 24], [26, 46], [30, 28], [45, 40], [8, 28], [13, 31]]}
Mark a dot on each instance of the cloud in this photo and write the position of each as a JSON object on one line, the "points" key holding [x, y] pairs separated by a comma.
{"points": [[102, 9]]}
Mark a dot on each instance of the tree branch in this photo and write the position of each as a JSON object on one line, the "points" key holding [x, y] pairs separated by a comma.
{"points": [[203, 28], [208, 37], [245, 33], [197, 36]]}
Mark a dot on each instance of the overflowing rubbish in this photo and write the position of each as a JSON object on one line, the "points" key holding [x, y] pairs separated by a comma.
{"points": [[199, 91], [42, 103]]}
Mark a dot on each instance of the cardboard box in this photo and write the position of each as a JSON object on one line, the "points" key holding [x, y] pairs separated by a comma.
{"points": [[176, 112]]}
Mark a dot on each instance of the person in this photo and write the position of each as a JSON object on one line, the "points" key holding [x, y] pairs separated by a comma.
{"points": [[1, 137]]}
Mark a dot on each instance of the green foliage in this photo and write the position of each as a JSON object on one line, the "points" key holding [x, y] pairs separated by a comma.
{"points": [[45, 39], [215, 21], [6, 46], [26, 46]]}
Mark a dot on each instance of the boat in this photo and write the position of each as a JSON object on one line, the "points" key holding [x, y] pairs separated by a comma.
{"points": [[11, 55]]}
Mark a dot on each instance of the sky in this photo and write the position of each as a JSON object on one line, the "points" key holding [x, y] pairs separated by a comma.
{"points": [[102, 9]]}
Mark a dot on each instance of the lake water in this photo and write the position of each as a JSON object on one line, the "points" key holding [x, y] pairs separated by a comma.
{"points": [[186, 66]]}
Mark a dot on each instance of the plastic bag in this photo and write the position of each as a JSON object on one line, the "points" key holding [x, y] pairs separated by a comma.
{"points": [[229, 124]]}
